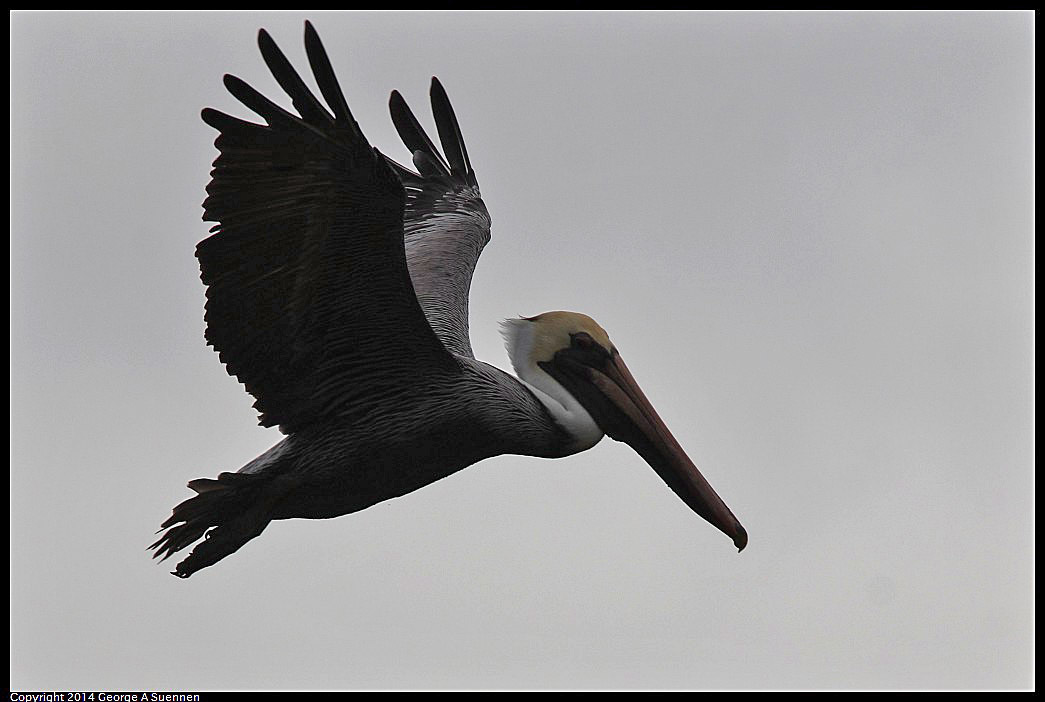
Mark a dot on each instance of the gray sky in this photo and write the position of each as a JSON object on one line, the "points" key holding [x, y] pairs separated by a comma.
{"points": [[810, 236]]}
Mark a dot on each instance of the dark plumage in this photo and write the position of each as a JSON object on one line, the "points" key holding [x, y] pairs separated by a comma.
{"points": [[310, 304], [337, 293]]}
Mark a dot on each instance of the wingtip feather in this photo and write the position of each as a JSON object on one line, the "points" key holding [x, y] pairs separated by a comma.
{"points": [[414, 136], [450, 132], [325, 77]]}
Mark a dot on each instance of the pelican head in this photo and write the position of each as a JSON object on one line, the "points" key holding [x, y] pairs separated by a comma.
{"points": [[570, 363]]}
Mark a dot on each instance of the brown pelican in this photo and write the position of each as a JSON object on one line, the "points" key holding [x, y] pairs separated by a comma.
{"points": [[337, 293]]}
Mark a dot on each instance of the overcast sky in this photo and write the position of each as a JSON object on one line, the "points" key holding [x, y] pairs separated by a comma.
{"points": [[810, 235]]}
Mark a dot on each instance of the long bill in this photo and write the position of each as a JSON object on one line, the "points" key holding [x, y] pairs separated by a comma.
{"points": [[646, 432]]}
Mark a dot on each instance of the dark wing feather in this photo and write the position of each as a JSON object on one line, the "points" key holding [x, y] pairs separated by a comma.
{"points": [[450, 133], [447, 224], [309, 299]]}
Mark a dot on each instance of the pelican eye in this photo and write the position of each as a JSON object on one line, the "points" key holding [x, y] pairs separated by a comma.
{"points": [[583, 341]]}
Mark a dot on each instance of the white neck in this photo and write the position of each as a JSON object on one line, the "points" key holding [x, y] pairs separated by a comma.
{"points": [[564, 408]]}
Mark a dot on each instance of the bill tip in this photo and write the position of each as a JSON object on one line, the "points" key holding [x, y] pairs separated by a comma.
{"points": [[740, 539]]}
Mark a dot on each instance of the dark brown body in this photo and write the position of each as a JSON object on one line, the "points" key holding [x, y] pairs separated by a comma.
{"points": [[415, 437], [428, 433]]}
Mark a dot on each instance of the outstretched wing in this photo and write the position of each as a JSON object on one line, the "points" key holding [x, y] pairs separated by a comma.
{"points": [[309, 299], [447, 224]]}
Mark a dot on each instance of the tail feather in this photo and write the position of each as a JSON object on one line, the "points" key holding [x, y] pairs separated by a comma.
{"points": [[228, 512]]}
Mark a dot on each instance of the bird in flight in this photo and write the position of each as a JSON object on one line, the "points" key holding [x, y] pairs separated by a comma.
{"points": [[337, 294]]}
